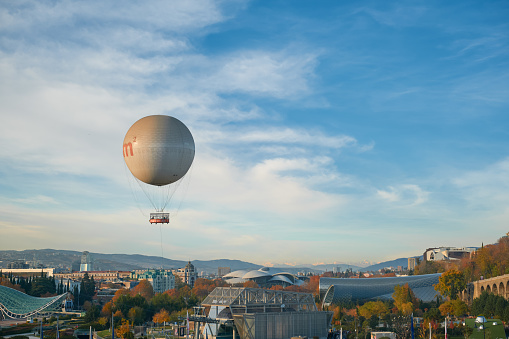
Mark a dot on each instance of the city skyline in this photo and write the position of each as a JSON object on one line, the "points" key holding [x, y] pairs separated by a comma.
{"points": [[334, 133]]}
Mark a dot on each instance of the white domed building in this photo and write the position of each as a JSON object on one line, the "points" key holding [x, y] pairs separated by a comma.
{"points": [[265, 277]]}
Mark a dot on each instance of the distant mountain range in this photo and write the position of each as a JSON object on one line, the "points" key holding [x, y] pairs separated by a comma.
{"points": [[65, 259]]}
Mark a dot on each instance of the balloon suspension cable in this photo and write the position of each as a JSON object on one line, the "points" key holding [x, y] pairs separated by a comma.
{"points": [[187, 178], [129, 180], [162, 257]]}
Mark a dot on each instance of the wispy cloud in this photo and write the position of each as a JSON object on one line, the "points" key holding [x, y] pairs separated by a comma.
{"points": [[406, 195]]}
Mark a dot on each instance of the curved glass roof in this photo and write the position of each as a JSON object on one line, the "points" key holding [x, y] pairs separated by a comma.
{"points": [[236, 274], [336, 289], [16, 304], [255, 274]]}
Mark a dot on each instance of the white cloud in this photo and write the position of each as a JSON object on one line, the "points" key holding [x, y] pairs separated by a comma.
{"points": [[487, 187], [279, 75], [406, 195]]}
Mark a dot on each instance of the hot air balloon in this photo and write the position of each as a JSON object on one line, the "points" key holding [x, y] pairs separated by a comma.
{"points": [[158, 151]]}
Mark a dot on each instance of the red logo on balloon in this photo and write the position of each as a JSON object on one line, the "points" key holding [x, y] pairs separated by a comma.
{"points": [[126, 148]]}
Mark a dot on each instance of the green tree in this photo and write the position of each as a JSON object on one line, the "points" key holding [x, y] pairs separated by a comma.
{"points": [[87, 289], [136, 315], [92, 314], [41, 286], [451, 283]]}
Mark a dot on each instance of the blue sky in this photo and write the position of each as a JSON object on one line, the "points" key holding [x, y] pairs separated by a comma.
{"points": [[325, 131]]}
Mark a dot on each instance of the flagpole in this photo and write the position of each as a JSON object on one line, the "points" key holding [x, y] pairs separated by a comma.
{"points": [[187, 316], [445, 327], [412, 326], [112, 327], [58, 333]]}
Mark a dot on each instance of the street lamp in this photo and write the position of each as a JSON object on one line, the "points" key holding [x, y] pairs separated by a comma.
{"points": [[482, 320]]}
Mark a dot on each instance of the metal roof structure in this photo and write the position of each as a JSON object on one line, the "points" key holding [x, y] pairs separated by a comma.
{"points": [[256, 313], [251, 300], [15, 304], [333, 290]]}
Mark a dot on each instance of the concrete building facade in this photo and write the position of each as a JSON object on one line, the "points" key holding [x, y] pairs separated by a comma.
{"points": [[187, 274], [447, 253], [497, 285], [161, 280]]}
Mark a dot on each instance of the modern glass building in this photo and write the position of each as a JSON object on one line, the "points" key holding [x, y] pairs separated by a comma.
{"points": [[15, 304], [333, 290]]}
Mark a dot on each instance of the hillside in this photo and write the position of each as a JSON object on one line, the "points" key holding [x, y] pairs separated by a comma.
{"points": [[64, 259]]}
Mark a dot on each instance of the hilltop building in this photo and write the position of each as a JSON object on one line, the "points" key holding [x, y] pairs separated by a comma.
{"points": [[447, 253]]}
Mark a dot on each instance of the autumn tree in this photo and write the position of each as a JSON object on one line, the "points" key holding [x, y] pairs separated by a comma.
{"points": [[5, 282], [145, 289], [312, 285], [276, 288], [107, 309], [161, 317], [404, 299], [203, 287], [103, 321], [454, 307], [373, 308], [451, 283], [336, 315], [251, 284], [117, 316], [119, 293], [124, 330]]}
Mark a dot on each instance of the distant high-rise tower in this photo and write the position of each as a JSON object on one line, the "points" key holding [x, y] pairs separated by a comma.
{"points": [[86, 262], [222, 271]]}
